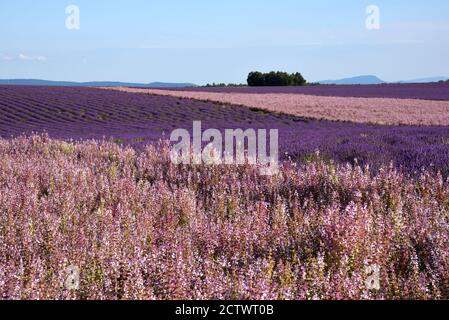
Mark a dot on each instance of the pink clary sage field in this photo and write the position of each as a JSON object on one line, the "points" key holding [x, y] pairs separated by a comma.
{"points": [[139, 227], [390, 111]]}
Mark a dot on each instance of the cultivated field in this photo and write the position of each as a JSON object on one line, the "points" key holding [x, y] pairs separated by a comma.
{"points": [[95, 189], [390, 111], [424, 91], [139, 227], [139, 119]]}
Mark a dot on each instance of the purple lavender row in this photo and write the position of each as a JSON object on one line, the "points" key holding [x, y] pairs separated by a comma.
{"points": [[137, 119], [427, 91]]}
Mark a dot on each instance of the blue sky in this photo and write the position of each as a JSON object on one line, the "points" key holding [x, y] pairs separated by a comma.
{"points": [[221, 41]]}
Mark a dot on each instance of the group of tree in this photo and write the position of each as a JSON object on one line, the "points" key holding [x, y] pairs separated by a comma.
{"points": [[275, 78]]}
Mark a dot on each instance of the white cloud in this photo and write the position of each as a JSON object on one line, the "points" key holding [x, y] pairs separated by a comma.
{"points": [[32, 58], [22, 56]]}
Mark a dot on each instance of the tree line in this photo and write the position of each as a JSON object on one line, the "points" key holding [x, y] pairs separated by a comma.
{"points": [[278, 78]]}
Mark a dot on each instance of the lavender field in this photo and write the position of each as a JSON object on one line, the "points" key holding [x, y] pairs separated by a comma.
{"points": [[86, 180], [139, 119], [390, 111], [422, 91], [189, 158]]}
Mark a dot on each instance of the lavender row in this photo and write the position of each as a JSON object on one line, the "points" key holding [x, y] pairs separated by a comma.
{"points": [[137, 119], [426, 91]]}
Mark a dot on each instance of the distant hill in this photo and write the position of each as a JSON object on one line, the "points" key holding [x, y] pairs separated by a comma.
{"points": [[376, 80], [355, 80], [426, 80], [37, 82]]}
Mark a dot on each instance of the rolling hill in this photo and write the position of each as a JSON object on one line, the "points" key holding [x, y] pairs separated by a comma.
{"points": [[38, 82], [355, 80]]}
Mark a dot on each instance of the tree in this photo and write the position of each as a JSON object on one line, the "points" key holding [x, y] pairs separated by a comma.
{"points": [[258, 79], [298, 79]]}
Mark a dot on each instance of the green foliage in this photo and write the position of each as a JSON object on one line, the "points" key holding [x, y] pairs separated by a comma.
{"points": [[272, 79]]}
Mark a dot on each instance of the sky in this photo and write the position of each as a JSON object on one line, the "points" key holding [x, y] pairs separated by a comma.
{"points": [[208, 41]]}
